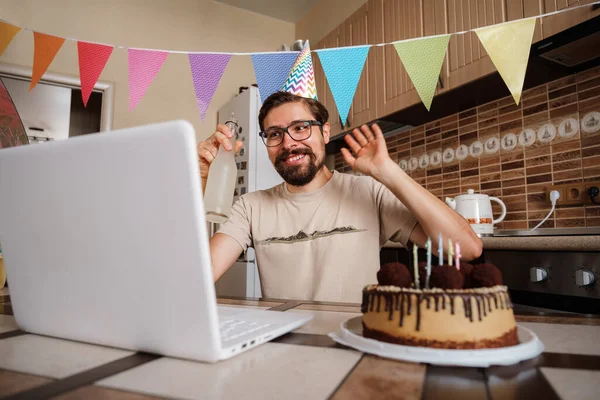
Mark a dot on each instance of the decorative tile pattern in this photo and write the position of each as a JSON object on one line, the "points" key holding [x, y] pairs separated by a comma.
{"points": [[552, 137]]}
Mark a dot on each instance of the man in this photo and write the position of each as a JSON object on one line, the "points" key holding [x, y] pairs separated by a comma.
{"points": [[317, 236]]}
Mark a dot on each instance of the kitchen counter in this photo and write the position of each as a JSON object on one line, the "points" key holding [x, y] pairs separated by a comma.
{"points": [[574, 239], [304, 364]]}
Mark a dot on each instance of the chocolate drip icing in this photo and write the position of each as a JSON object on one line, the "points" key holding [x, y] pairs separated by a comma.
{"points": [[419, 300], [395, 302], [402, 309], [468, 307]]}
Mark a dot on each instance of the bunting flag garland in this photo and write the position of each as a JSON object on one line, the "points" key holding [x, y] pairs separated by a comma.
{"points": [[301, 80], [271, 71], [45, 49], [343, 68], [143, 66], [207, 70], [92, 59], [423, 59], [7, 33], [508, 47]]}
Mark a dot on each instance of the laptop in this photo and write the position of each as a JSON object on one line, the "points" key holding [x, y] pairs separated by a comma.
{"points": [[105, 241]]}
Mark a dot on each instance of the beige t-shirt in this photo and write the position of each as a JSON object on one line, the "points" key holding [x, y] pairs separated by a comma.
{"points": [[322, 245]]}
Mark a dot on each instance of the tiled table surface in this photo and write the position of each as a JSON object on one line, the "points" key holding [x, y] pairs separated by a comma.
{"points": [[304, 364]]}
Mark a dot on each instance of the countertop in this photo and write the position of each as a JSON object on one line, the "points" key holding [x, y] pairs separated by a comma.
{"points": [[542, 242], [304, 364]]}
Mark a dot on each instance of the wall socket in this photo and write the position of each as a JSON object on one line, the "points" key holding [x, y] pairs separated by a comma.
{"points": [[574, 193]]}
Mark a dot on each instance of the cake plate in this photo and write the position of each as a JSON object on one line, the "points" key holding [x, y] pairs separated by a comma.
{"points": [[350, 334]]}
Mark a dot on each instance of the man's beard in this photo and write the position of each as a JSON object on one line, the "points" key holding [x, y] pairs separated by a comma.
{"points": [[298, 175]]}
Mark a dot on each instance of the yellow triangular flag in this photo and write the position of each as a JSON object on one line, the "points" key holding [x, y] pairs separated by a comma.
{"points": [[508, 46], [7, 33], [423, 59]]}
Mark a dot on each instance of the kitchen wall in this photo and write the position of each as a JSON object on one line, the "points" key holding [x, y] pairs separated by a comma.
{"points": [[512, 152], [200, 25], [324, 17]]}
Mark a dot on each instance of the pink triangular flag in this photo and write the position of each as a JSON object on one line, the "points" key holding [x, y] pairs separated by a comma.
{"points": [[207, 70], [143, 67], [92, 59]]}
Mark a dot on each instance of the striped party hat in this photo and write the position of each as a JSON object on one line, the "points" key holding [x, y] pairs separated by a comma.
{"points": [[301, 80]]}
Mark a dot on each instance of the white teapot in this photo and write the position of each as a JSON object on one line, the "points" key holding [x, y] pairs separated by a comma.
{"points": [[477, 210]]}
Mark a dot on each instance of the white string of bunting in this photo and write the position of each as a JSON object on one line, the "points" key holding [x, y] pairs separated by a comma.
{"points": [[507, 44], [295, 52]]}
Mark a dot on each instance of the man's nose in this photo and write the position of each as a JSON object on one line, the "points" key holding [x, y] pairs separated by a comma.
{"points": [[288, 142]]}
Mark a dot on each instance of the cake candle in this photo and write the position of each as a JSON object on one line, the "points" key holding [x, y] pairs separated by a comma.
{"points": [[440, 249], [457, 255], [450, 252], [428, 268], [416, 265]]}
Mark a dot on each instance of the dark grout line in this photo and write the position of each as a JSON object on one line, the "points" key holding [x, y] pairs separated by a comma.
{"points": [[570, 361], [287, 306], [337, 388], [309, 339], [16, 332], [84, 378]]}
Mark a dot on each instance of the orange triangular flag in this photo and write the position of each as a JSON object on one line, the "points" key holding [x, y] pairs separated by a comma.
{"points": [[7, 33], [45, 49]]}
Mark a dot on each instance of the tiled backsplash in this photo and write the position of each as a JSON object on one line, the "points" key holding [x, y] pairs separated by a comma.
{"points": [[512, 152]]}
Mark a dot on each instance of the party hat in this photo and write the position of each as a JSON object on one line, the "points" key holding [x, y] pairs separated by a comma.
{"points": [[301, 80]]}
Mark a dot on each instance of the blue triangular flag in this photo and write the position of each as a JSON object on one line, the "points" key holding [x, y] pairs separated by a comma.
{"points": [[271, 70], [342, 68]]}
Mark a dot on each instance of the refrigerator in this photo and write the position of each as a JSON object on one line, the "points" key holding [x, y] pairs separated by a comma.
{"points": [[255, 172]]}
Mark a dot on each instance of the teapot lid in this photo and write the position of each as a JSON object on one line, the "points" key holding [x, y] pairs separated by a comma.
{"points": [[470, 191]]}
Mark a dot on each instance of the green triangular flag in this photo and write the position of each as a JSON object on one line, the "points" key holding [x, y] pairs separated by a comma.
{"points": [[423, 59]]}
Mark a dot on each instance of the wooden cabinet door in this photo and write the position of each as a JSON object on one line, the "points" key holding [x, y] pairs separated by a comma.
{"points": [[403, 19], [559, 22], [364, 105], [323, 92]]}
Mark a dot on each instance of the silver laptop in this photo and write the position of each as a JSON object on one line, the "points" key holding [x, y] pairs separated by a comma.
{"points": [[105, 241]]}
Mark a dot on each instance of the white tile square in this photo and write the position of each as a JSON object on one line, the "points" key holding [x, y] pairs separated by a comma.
{"points": [[270, 371], [54, 358], [573, 384], [563, 338], [7, 323], [324, 322]]}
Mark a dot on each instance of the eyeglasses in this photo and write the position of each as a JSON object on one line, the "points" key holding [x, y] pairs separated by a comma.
{"points": [[299, 131]]}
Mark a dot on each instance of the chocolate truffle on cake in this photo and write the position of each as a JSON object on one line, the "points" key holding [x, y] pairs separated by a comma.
{"points": [[465, 270], [446, 277], [394, 274], [485, 275]]}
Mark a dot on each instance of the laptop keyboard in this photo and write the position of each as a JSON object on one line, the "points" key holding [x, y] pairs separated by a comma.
{"points": [[231, 329]]}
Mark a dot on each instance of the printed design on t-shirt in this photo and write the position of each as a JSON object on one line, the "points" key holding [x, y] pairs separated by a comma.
{"points": [[302, 236]]}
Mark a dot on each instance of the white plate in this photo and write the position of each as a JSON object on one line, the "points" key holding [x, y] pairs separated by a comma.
{"points": [[350, 334]]}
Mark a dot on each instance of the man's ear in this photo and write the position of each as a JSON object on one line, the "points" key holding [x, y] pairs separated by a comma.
{"points": [[326, 128]]}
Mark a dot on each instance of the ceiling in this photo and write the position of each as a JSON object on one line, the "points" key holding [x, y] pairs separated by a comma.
{"points": [[285, 10]]}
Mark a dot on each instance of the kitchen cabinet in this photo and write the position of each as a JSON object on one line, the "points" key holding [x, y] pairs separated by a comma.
{"points": [[385, 87], [323, 91], [362, 28], [557, 23]]}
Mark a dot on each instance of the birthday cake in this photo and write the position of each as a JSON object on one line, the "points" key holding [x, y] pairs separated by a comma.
{"points": [[466, 308]]}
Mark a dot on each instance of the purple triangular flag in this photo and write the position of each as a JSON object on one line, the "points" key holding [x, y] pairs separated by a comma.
{"points": [[271, 70], [207, 70]]}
